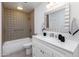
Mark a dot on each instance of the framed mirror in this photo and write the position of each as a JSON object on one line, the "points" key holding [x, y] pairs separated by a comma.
{"points": [[57, 20]]}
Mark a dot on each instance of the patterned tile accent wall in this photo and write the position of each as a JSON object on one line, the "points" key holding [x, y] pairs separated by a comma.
{"points": [[16, 24]]}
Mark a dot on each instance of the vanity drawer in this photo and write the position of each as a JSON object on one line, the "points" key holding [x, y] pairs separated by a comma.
{"points": [[42, 50]]}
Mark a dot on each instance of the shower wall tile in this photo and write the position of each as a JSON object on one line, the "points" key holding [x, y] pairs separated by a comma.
{"points": [[16, 24]]}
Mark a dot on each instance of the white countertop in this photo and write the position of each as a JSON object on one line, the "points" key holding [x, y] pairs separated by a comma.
{"points": [[69, 45]]}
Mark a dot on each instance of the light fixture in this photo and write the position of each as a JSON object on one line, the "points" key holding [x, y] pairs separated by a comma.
{"points": [[51, 4], [19, 8], [54, 4]]}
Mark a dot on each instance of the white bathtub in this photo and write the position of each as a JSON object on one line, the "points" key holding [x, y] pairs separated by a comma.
{"points": [[13, 46]]}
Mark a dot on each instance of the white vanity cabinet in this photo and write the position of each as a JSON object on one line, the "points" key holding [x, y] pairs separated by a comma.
{"points": [[42, 48]]}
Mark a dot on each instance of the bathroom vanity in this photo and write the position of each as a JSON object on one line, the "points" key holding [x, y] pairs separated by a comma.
{"points": [[57, 20], [44, 46]]}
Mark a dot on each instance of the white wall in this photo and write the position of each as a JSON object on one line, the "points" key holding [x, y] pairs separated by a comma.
{"points": [[39, 17], [0, 27], [74, 13]]}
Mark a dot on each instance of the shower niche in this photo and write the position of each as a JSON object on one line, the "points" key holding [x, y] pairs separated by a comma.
{"points": [[57, 20]]}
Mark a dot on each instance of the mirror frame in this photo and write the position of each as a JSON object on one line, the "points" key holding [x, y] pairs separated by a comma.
{"points": [[66, 17]]}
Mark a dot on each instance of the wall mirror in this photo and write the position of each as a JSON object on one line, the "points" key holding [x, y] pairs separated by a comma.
{"points": [[57, 20]]}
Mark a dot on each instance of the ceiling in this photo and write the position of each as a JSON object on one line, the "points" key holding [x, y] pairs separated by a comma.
{"points": [[27, 6]]}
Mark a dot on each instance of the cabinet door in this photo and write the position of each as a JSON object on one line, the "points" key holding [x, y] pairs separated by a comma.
{"points": [[47, 51], [38, 52], [43, 50]]}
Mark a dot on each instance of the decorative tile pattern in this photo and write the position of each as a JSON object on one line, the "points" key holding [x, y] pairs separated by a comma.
{"points": [[16, 24]]}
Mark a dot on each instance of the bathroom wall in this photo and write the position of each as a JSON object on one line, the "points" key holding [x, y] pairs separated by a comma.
{"points": [[16, 24], [0, 28], [74, 12], [39, 17]]}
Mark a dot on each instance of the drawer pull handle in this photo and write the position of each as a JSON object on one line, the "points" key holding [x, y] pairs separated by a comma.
{"points": [[42, 51]]}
